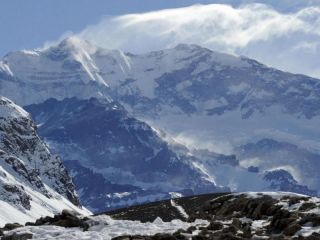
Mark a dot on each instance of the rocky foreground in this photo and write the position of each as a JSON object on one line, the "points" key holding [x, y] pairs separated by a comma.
{"points": [[223, 216], [241, 216]]}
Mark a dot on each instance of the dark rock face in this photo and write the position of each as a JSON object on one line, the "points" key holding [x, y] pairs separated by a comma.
{"points": [[27, 159], [17, 196], [129, 155], [283, 181]]}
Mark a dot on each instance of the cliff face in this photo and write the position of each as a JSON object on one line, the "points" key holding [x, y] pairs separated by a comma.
{"points": [[31, 178]]}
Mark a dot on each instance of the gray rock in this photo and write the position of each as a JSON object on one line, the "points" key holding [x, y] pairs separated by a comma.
{"points": [[16, 236]]}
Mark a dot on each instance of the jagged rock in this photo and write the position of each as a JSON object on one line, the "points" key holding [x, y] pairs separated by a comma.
{"points": [[32, 179], [18, 236], [22, 198], [181, 235], [164, 237], [313, 236], [237, 223], [69, 219], [225, 236], [246, 232], [292, 229], [122, 238], [43, 220], [310, 218], [66, 219], [294, 200], [191, 229], [272, 210], [230, 229], [11, 226], [214, 226], [307, 206], [262, 208]]}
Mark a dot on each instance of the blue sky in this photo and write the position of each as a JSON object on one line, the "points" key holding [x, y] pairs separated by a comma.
{"points": [[29, 23], [279, 33]]}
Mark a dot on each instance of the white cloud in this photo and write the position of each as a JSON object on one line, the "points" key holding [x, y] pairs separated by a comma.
{"points": [[283, 40], [214, 25]]}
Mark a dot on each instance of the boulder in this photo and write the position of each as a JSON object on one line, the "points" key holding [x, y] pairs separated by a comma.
{"points": [[292, 229], [11, 226], [310, 218], [215, 226], [307, 206], [18, 236]]}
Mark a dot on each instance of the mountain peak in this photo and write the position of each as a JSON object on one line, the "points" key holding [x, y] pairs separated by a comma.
{"points": [[185, 46], [74, 43]]}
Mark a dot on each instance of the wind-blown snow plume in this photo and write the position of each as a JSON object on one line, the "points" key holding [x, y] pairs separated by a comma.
{"points": [[256, 30]]}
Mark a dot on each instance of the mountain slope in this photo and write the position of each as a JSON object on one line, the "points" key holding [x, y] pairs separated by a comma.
{"points": [[132, 163], [33, 182], [196, 96], [62, 71], [100, 141], [188, 77], [267, 153]]}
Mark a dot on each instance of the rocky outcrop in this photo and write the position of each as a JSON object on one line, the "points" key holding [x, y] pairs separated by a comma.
{"points": [[30, 175], [67, 219], [24, 154]]}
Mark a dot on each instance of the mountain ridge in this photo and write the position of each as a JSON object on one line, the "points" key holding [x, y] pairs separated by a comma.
{"points": [[197, 97], [127, 154], [33, 182]]}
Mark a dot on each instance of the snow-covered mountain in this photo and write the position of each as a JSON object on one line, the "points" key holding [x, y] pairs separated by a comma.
{"points": [[202, 99], [33, 182], [101, 143], [187, 78]]}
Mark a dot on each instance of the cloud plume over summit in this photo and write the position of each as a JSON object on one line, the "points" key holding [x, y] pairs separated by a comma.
{"points": [[286, 40]]}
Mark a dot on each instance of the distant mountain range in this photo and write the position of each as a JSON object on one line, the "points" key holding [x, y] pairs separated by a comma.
{"points": [[173, 122], [115, 159]]}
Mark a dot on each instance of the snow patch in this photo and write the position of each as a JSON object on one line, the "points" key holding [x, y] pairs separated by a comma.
{"points": [[108, 228], [179, 208]]}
